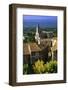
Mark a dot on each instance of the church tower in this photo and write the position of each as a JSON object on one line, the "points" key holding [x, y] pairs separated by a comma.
{"points": [[37, 38]]}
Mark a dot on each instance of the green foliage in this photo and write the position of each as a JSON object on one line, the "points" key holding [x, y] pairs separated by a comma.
{"points": [[38, 67], [50, 67], [25, 69], [29, 37], [55, 33]]}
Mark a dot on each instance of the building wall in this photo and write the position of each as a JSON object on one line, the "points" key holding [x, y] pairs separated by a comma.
{"points": [[26, 59]]}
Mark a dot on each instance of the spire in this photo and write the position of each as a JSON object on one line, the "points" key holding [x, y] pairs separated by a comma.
{"points": [[37, 38], [37, 28]]}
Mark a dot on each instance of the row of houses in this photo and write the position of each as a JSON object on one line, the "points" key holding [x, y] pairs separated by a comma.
{"points": [[33, 51]]}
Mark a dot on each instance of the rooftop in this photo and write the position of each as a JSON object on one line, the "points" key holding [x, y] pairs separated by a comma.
{"points": [[30, 47]]}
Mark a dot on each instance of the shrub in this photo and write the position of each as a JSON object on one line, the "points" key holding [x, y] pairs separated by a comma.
{"points": [[38, 67], [52, 66], [46, 68], [25, 68]]}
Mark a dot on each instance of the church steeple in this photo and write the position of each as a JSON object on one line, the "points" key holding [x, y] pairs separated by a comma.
{"points": [[37, 38]]}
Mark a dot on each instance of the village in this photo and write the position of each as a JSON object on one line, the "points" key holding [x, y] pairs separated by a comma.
{"points": [[43, 48]]}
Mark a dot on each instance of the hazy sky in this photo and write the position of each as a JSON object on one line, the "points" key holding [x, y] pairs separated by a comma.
{"points": [[43, 21]]}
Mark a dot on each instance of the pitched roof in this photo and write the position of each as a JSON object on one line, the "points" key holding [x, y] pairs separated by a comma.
{"points": [[30, 47], [44, 43], [25, 49], [34, 47]]}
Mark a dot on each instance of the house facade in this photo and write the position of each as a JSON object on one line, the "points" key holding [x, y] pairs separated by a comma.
{"points": [[31, 52]]}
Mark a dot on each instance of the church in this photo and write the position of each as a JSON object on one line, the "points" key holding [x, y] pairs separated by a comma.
{"points": [[44, 48]]}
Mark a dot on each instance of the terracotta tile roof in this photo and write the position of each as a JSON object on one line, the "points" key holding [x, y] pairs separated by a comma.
{"points": [[33, 48], [25, 49], [28, 48]]}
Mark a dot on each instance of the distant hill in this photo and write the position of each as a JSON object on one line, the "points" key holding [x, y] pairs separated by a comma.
{"points": [[33, 29], [43, 21]]}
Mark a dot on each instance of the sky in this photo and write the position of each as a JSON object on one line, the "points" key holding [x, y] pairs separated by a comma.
{"points": [[43, 21]]}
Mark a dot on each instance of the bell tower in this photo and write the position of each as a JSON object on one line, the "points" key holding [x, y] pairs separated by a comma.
{"points": [[37, 38]]}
